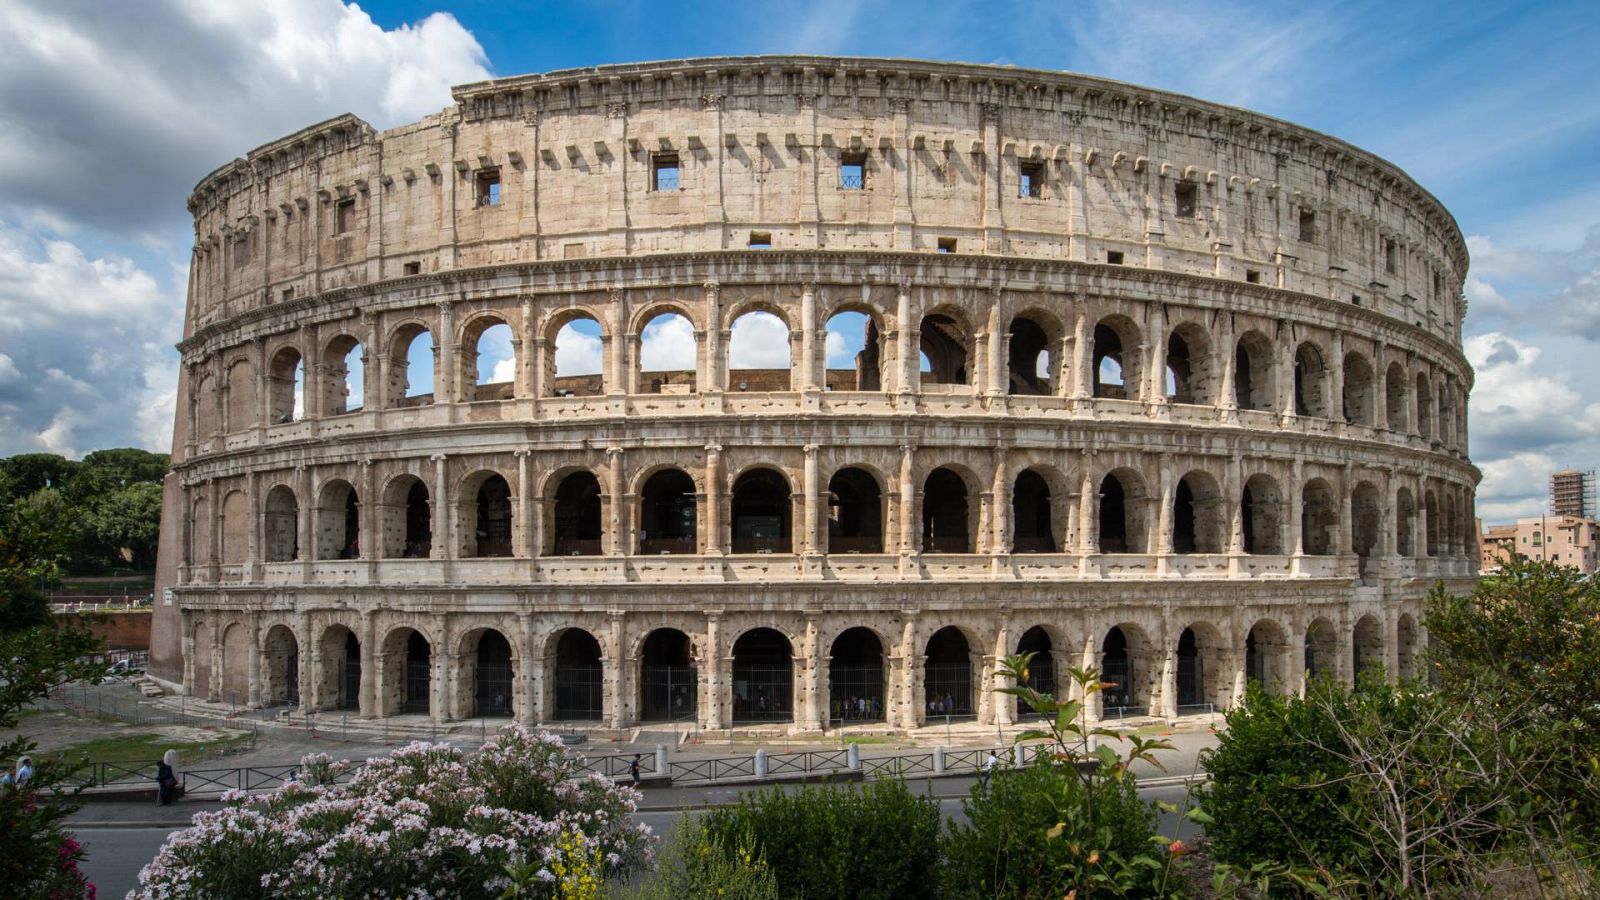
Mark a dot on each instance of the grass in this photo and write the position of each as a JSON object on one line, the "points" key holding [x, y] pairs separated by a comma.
{"points": [[143, 749]]}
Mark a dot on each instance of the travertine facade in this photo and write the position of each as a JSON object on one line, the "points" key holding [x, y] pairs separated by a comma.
{"points": [[1192, 405]]}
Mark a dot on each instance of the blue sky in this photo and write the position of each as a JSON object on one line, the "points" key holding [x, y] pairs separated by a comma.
{"points": [[112, 112]]}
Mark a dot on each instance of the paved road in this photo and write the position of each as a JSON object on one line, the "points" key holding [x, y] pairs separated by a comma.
{"points": [[122, 838]]}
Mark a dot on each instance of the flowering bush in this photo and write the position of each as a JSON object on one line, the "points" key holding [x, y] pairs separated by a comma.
{"points": [[426, 821]]}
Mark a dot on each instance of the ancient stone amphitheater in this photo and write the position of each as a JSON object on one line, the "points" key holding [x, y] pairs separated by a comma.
{"points": [[1125, 378]]}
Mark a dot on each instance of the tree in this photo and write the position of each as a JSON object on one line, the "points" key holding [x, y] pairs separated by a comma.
{"points": [[129, 518]]}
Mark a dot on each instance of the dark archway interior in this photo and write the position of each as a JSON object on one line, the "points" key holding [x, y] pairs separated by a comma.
{"points": [[944, 343], [666, 513], [1028, 341], [419, 523], [1180, 370], [763, 677], [855, 513], [350, 674], [580, 678], [418, 671], [1116, 671], [1041, 668], [494, 517], [351, 546], [493, 688], [1183, 525], [1308, 376], [1191, 678], [577, 516], [761, 513], [856, 677], [1108, 345], [947, 675], [1030, 515], [944, 514], [1113, 516], [667, 690]]}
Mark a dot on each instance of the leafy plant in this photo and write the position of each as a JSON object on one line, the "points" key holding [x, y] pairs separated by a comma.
{"points": [[693, 866]]}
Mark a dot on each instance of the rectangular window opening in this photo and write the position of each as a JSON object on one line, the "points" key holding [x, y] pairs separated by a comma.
{"points": [[345, 216], [1252, 276], [852, 171], [947, 245], [489, 187], [1356, 299], [664, 171], [412, 268], [1185, 194], [1391, 255], [1030, 181], [1308, 225], [760, 240], [1114, 257], [288, 294]]}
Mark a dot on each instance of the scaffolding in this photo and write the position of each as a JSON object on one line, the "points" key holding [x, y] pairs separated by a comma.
{"points": [[1572, 493]]}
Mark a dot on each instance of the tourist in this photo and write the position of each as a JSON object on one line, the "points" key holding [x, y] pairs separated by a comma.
{"points": [[633, 768], [24, 771], [988, 769], [167, 778]]}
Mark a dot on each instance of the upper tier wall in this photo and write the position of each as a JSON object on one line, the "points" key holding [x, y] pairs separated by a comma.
{"points": [[760, 143]]}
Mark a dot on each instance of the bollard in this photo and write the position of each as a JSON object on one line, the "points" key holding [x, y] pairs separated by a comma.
{"points": [[938, 760], [661, 759], [761, 763], [1019, 754], [852, 758]]}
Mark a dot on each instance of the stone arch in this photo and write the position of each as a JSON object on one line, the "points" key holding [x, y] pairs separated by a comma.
{"points": [[1129, 666], [1033, 365], [949, 666], [1366, 644], [1123, 503], [866, 371], [486, 518], [1203, 677], [1447, 412], [1310, 382], [1045, 666], [578, 675], [236, 653], [1189, 376], [339, 682], [946, 346], [667, 375], [1409, 646], [668, 509], [1197, 517], [200, 529], [235, 528], [1114, 364], [856, 511], [763, 677], [577, 523], [1424, 398], [1405, 513], [1366, 506], [286, 375], [1261, 510], [408, 516], [1359, 386], [949, 517], [280, 525], [407, 675], [1322, 645], [207, 412], [204, 649], [1430, 509], [576, 339], [1319, 519], [339, 392], [280, 667], [486, 673], [400, 388], [1254, 386], [1035, 518], [857, 677], [668, 687], [1266, 656], [758, 358], [241, 410], [338, 519], [477, 332], [1394, 392], [761, 512]]}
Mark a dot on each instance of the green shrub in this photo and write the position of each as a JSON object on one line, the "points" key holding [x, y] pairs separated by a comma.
{"points": [[876, 842], [695, 867]]}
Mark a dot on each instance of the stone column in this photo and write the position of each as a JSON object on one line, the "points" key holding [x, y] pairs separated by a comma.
{"points": [[619, 342], [1297, 502], [812, 488], [369, 530], [1155, 386], [444, 356], [714, 365], [906, 355], [1336, 379], [252, 566], [526, 532], [529, 707], [308, 674], [711, 675], [370, 702], [808, 341], [1088, 502], [1000, 539], [254, 691], [442, 512], [616, 523], [996, 386], [616, 675], [1347, 491], [305, 539], [713, 542], [1082, 356], [1286, 379], [1163, 542], [1227, 397], [908, 533], [442, 705], [1005, 705], [905, 668], [812, 682], [1380, 388]]}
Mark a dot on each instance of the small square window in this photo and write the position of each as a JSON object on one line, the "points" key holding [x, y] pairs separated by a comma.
{"points": [[344, 216], [1356, 299], [760, 240], [288, 294], [1184, 195], [664, 171], [947, 245], [1252, 276], [852, 171], [1391, 256], [489, 187], [1114, 257], [1308, 225], [1030, 179], [412, 268]]}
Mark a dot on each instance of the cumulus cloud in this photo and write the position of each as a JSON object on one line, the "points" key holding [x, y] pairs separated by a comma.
{"points": [[759, 341], [1515, 486], [578, 349], [667, 345], [1517, 405]]}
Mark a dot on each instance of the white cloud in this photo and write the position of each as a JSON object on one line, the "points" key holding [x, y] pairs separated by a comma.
{"points": [[838, 355], [667, 345], [8, 370], [759, 341], [577, 352]]}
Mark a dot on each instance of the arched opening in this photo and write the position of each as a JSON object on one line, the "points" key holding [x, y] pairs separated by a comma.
{"points": [[579, 677], [1367, 645], [236, 651], [411, 365], [575, 365], [343, 380], [763, 677], [1197, 515], [488, 517], [241, 410], [761, 513], [945, 348], [1424, 395], [408, 660], [1358, 390], [1407, 650], [1030, 370], [338, 522], [1115, 363], [1191, 672], [407, 519], [853, 345], [340, 678], [207, 418], [1031, 519], [1367, 522], [944, 513], [668, 691], [578, 529], [488, 360], [758, 353], [1446, 407], [947, 676], [856, 685], [1188, 375], [1319, 518], [1041, 668], [667, 513], [1266, 650], [668, 353], [235, 528], [1203, 681], [491, 676], [1394, 389], [1430, 511], [280, 667], [286, 380], [1310, 382], [281, 525], [855, 512], [1405, 513], [201, 685], [1261, 509], [1321, 649], [1252, 373], [1123, 655], [1122, 500]]}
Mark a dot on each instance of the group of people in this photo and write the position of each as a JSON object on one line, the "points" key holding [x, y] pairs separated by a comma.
{"points": [[20, 776], [864, 709], [945, 705]]}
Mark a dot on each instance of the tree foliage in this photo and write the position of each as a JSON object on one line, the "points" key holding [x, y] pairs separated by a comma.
{"points": [[114, 494]]}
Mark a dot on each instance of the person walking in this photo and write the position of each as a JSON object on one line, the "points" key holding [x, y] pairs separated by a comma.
{"points": [[633, 768], [167, 778], [24, 771], [988, 769]]}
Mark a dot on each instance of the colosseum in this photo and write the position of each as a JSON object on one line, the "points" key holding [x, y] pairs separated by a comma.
{"points": [[1051, 363]]}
